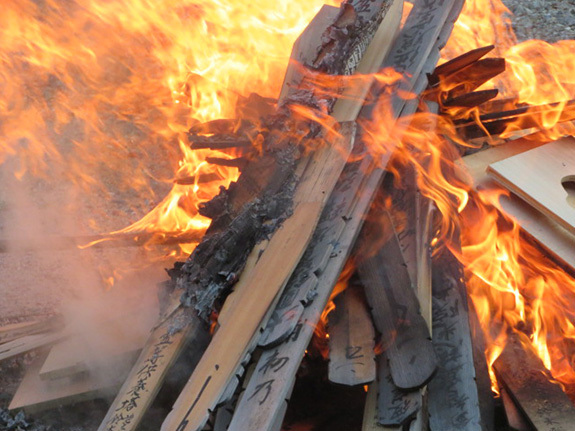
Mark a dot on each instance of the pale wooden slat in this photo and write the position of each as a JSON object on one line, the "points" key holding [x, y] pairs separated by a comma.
{"points": [[28, 343]]}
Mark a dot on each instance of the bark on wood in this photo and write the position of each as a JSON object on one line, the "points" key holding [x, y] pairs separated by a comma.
{"points": [[351, 340], [544, 403]]}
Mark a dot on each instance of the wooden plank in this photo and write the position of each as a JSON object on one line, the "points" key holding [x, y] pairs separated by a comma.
{"points": [[453, 397], [351, 331], [81, 352], [270, 274], [14, 331], [458, 63], [515, 418], [34, 394], [557, 241], [144, 379], [28, 343], [395, 307], [530, 385], [395, 407], [306, 48], [275, 373], [537, 175]]}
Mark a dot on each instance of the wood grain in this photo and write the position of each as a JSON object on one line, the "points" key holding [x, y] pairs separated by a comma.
{"points": [[536, 176]]}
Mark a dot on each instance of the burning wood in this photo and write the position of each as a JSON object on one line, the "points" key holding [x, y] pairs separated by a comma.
{"points": [[311, 163]]}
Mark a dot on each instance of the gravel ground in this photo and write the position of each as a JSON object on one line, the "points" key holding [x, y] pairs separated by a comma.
{"points": [[549, 20]]}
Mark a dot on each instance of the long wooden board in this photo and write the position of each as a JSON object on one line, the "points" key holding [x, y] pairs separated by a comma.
{"points": [[536, 176], [269, 276], [27, 343]]}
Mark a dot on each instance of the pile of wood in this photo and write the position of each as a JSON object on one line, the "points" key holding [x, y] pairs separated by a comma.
{"points": [[309, 197]]}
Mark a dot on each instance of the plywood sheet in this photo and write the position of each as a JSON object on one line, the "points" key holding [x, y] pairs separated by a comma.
{"points": [[536, 176]]}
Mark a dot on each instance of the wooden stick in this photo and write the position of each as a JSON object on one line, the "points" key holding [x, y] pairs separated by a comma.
{"points": [[218, 142], [528, 382], [471, 100], [459, 63], [395, 307], [515, 418], [351, 340]]}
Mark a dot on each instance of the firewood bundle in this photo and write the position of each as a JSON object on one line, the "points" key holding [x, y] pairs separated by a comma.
{"points": [[311, 195]]}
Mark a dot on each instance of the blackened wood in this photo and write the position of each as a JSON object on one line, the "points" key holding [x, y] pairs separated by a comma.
{"points": [[393, 302], [473, 76], [201, 179], [267, 390], [219, 142], [525, 117], [238, 162], [515, 418], [286, 316], [471, 100], [453, 395], [351, 340], [395, 407], [543, 402], [458, 63]]}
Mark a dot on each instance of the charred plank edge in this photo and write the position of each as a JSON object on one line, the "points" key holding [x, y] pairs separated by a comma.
{"points": [[544, 403], [458, 63]]}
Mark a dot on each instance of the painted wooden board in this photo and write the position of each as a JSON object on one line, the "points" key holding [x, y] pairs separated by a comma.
{"points": [[275, 372], [269, 277], [536, 176], [144, 380], [556, 240], [370, 412], [394, 406], [351, 340], [453, 397], [394, 304], [529, 384]]}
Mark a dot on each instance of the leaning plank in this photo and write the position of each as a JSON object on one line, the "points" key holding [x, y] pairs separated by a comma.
{"points": [[266, 397], [143, 382], [275, 372], [542, 187], [394, 305], [453, 396], [528, 382], [269, 276], [28, 343], [351, 340], [370, 422], [515, 418]]}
